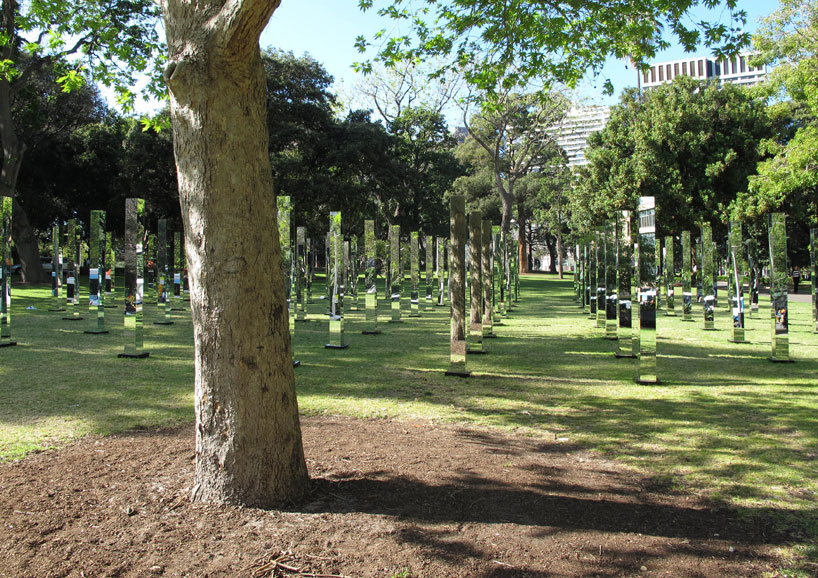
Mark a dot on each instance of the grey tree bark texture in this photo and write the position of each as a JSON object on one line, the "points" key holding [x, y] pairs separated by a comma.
{"points": [[248, 436]]}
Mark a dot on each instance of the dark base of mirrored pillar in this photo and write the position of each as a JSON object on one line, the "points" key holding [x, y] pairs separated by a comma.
{"points": [[476, 352], [376, 332], [781, 360], [143, 355], [331, 346], [163, 322], [458, 373], [395, 321], [688, 320], [72, 318], [55, 310], [740, 342], [490, 336], [296, 363], [609, 338], [178, 309], [96, 331], [8, 343], [625, 356], [647, 382], [109, 306]]}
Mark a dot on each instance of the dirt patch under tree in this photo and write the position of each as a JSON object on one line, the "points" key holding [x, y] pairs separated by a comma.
{"points": [[389, 499]]}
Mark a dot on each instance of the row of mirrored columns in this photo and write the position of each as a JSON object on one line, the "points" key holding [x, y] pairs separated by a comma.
{"points": [[624, 261]]}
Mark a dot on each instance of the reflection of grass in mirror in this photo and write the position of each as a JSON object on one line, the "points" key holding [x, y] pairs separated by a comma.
{"points": [[725, 420]]}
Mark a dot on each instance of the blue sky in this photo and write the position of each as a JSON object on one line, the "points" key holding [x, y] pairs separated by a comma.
{"points": [[326, 29]]}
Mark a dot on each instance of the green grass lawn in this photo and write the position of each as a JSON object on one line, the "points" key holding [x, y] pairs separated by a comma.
{"points": [[725, 422]]}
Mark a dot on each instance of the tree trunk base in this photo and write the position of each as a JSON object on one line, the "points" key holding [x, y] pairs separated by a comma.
{"points": [[143, 355]]}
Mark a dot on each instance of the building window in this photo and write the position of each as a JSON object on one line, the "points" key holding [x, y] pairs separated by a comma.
{"points": [[675, 70], [701, 68], [667, 72], [684, 68], [661, 73], [653, 74], [743, 64]]}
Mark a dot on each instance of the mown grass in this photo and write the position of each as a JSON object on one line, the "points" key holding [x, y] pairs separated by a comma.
{"points": [[725, 422]]}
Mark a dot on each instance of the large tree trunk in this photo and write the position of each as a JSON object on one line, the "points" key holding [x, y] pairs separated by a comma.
{"points": [[559, 254], [551, 245], [248, 436]]}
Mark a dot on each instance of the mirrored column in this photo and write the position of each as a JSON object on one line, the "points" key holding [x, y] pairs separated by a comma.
{"points": [[488, 280], [178, 271], [687, 270], [335, 271], [6, 204], [414, 271], [647, 291], [371, 302], [310, 269], [163, 256], [57, 303], [440, 272], [475, 341], [601, 279], [497, 274], [610, 281], [735, 280], [708, 265], [754, 264], [300, 274], [624, 262], [352, 275], [395, 273], [96, 272], [428, 267], [457, 286], [592, 272], [813, 255], [670, 277], [284, 219], [72, 270], [779, 282], [134, 278]]}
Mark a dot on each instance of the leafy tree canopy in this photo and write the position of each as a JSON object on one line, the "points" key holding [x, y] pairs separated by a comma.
{"points": [[499, 45]]}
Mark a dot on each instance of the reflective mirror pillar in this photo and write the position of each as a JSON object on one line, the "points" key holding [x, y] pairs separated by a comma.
{"points": [[72, 271], [813, 256], [414, 274], [96, 272], [57, 303], [134, 278], [755, 276], [610, 281], [395, 274], [659, 273], [735, 281], [670, 278], [352, 276], [457, 286], [647, 291], [284, 219], [507, 298], [110, 270], [6, 204], [687, 270], [601, 280], [586, 275], [327, 282], [178, 271], [371, 299], [475, 344], [429, 269], [310, 270], [592, 271], [779, 282], [708, 266], [440, 263], [335, 278], [300, 274], [488, 280], [497, 275], [162, 257], [624, 262]]}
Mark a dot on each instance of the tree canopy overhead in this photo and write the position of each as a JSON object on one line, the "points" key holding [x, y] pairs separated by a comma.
{"points": [[517, 42]]}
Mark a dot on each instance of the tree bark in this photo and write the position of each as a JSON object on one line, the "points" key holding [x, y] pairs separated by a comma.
{"points": [[522, 239], [248, 436], [559, 254]]}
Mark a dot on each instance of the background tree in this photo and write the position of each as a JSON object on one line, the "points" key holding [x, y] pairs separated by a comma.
{"points": [[104, 39], [510, 135], [788, 180], [691, 145]]}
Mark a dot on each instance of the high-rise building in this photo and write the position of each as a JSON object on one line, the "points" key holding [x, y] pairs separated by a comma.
{"points": [[573, 131], [735, 70]]}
